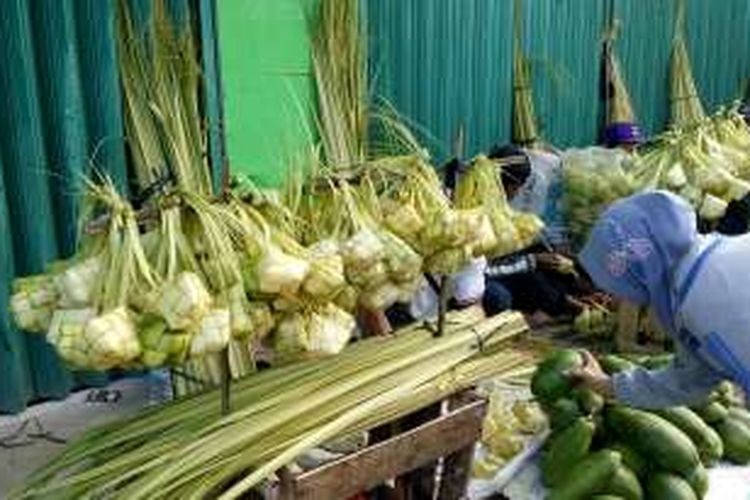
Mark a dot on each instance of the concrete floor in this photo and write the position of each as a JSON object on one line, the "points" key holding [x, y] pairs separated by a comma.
{"points": [[65, 419]]}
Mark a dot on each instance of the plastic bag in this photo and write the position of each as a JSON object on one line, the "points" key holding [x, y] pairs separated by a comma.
{"points": [[593, 178]]}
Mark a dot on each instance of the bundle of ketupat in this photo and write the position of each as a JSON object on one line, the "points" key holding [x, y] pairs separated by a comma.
{"points": [[342, 224], [703, 159], [694, 165], [118, 305], [318, 331], [32, 303], [379, 264], [414, 207], [92, 325], [160, 76], [593, 178], [480, 188], [197, 256]]}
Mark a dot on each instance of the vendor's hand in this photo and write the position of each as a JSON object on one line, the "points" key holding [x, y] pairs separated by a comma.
{"points": [[555, 262], [591, 375]]}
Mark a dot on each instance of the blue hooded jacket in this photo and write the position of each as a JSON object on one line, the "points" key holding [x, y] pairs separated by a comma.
{"points": [[646, 249]]}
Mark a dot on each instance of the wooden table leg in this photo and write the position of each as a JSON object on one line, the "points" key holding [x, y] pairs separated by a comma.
{"points": [[455, 477], [420, 483], [457, 466], [286, 484]]}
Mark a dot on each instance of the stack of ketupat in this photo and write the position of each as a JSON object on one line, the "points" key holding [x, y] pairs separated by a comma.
{"points": [[480, 189], [415, 207], [172, 280], [611, 449], [187, 449]]}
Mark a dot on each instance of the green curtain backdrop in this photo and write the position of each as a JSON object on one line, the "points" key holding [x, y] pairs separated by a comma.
{"points": [[265, 71], [446, 63], [61, 102], [561, 39]]}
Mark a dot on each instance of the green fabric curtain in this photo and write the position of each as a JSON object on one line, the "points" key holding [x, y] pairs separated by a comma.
{"points": [[561, 39], [447, 63], [28, 195], [62, 116]]}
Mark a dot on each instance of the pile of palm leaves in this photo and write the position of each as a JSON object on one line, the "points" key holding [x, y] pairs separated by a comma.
{"points": [[525, 129], [187, 450], [619, 105]]}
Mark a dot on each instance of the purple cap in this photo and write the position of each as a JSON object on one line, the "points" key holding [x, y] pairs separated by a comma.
{"points": [[622, 133]]}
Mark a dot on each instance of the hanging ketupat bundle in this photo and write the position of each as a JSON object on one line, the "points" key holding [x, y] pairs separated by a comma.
{"points": [[414, 207], [342, 224], [160, 74], [377, 262], [99, 332], [480, 188], [32, 303]]}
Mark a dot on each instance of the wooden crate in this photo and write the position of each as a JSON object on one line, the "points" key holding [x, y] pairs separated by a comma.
{"points": [[451, 435]]}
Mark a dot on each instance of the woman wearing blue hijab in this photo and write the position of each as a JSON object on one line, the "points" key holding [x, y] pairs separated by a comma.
{"points": [[646, 249]]}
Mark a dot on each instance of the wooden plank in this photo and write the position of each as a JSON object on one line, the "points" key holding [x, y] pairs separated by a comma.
{"points": [[368, 468]]}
